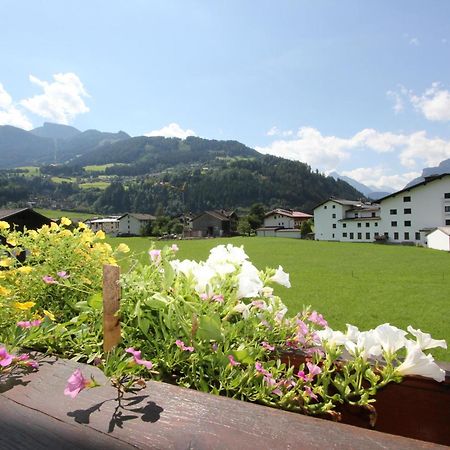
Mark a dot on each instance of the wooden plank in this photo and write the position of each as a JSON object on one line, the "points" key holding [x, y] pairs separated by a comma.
{"points": [[163, 416], [111, 305]]}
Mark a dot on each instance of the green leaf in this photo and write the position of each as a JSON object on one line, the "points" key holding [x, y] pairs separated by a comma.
{"points": [[95, 301], [210, 328], [169, 275], [157, 301], [242, 355]]}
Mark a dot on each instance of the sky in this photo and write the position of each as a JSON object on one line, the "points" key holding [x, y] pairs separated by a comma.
{"points": [[357, 87]]}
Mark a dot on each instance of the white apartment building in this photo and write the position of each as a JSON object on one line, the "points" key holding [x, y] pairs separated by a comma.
{"points": [[346, 220], [410, 214], [134, 223], [404, 216]]}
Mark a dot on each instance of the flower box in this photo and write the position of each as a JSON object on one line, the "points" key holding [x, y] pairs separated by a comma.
{"points": [[417, 408]]}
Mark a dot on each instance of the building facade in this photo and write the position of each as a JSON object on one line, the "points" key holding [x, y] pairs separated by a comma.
{"points": [[285, 218], [134, 224]]}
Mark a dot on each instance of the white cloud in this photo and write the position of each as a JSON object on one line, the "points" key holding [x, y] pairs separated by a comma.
{"points": [[398, 101], [434, 103], [9, 114], [172, 130], [376, 178], [62, 99], [414, 41], [274, 131], [327, 152]]}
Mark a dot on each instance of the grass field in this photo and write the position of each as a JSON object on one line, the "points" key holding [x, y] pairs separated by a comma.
{"points": [[95, 185], [57, 214], [361, 284]]}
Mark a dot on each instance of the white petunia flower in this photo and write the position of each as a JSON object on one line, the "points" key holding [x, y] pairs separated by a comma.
{"points": [[418, 363], [425, 341], [281, 277], [390, 338]]}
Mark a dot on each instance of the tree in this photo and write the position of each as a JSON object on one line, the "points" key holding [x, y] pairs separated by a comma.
{"points": [[244, 226], [256, 215], [305, 228]]}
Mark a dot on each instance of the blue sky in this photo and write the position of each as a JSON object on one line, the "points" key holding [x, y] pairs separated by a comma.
{"points": [[360, 87]]}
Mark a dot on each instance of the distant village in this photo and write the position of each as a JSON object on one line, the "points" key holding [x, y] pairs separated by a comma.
{"points": [[416, 215]]}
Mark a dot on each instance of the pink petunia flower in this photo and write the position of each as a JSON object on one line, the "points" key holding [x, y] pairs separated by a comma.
{"points": [[25, 360], [313, 370], [75, 384], [5, 358], [28, 323], [233, 362], [182, 346], [48, 279], [63, 274], [137, 358], [259, 368], [218, 298], [155, 256], [267, 346], [310, 393], [174, 247], [318, 319], [204, 296]]}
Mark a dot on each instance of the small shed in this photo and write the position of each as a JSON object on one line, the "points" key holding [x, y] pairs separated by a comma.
{"points": [[24, 218], [439, 239]]}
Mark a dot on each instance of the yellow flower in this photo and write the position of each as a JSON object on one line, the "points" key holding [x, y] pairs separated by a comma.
{"points": [[24, 269], [6, 262], [4, 291], [50, 315], [11, 241], [82, 226], [65, 233], [23, 305], [4, 225], [100, 234], [54, 226], [32, 233], [123, 248], [65, 221]]}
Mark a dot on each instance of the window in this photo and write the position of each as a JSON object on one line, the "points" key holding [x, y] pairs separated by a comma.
{"points": [[393, 223], [417, 236], [359, 224], [334, 206], [333, 216], [447, 209], [393, 212], [367, 224], [359, 235], [344, 225], [386, 234], [407, 211], [407, 223], [396, 236], [356, 215], [351, 235], [325, 207], [406, 199], [373, 214], [447, 195], [334, 225], [447, 222], [333, 235], [367, 235], [344, 235], [406, 236], [376, 224]]}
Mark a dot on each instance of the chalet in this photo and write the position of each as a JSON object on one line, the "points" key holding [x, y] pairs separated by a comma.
{"points": [[215, 223], [285, 218], [406, 216], [24, 218], [134, 224], [109, 225]]}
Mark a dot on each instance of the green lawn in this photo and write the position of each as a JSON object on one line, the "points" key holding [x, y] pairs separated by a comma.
{"points": [[361, 284], [95, 185]]}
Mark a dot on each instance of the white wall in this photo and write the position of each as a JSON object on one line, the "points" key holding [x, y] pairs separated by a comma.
{"points": [[131, 225], [439, 240], [278, 220], [427, 211], [325, 216]]}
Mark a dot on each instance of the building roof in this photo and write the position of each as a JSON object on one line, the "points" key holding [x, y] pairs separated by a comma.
{"points": [[445, 230], [217, 214], [5, 213], [140, 216], [343, 202], [427, 180], [289, 213]]}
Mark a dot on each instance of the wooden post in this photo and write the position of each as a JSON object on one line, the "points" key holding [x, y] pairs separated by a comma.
{"points": [[111, 305]]}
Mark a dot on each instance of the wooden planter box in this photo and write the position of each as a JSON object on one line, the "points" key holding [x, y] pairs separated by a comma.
{"points": [[417, 408]]}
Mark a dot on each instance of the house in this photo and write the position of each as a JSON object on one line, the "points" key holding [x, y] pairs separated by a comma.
{"points": [[285, 218], [109, 225], [346, 220], [439, 239], [409, 214], [406, 216], [134, 224], [24, 218], [215, 223]]}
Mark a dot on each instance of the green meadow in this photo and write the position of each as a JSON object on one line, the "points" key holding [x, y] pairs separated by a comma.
{"points": [[57, 214], [361, 284]]}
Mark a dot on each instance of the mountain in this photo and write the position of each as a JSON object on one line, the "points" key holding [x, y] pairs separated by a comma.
{"points": [[368, 191], [55, 131], [49, 144], [443, 167]]}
